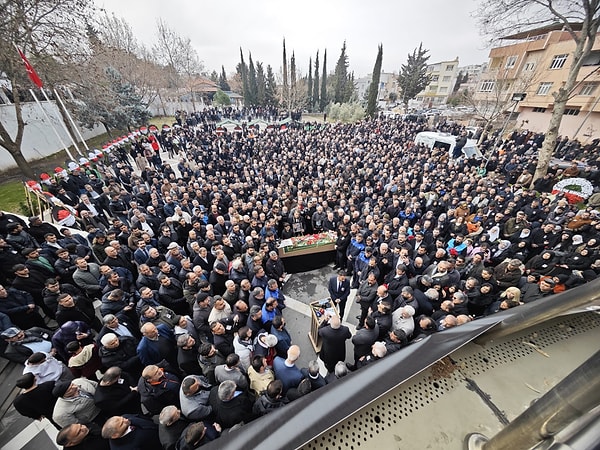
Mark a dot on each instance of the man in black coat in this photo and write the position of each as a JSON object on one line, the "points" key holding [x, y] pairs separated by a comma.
{"points": [[72, 309], [364, 339], [116, 393], [121, 325], [21, 344], [20, 307], [8, 258], [39, 229], [131, 432], [158, 389], [341, 245], [79, 436], [229, 408], [7, 219], [333, 347], [35, 400], [120, 351], [171, 426]]}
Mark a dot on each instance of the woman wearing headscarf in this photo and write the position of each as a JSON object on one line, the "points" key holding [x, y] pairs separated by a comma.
{"points": [[510, 298], [543, 264]]}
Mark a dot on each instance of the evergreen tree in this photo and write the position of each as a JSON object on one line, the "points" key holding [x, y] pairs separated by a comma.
{"points": [[126, 107], [350, 89], [214, 76], [271, 88], [243, 71], [374, 87], [340, 78], [315, 95], [413, 76], [285, 94], [309, 90], [252, 85], [293, 94], [323, 100], [261, 83], [223, 84], [221, 98]]}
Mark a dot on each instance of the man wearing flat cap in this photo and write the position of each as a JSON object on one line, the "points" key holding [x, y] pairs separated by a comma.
{"points": [[24, 343]]}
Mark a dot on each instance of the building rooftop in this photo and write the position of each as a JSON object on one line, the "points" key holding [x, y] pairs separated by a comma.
{"points": [[541, 30]]}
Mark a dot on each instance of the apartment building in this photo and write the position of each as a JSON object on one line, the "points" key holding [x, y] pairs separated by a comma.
{"points": [[472, 75], [388, 84], [537, 62], [442, 78]]}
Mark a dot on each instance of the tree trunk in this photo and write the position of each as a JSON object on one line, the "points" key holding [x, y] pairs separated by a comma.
{"points": [[193, 96], [13, 145], [22, 163], [547, 150], [107, 129]]}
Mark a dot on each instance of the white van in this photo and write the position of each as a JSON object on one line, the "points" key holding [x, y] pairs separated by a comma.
{"points": [[444, 140]]}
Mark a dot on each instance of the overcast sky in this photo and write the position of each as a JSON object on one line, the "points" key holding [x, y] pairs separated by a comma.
{"points": [[218, 29]]}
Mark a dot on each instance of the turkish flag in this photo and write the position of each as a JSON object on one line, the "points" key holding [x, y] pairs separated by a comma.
{"points": [[33, 76]]}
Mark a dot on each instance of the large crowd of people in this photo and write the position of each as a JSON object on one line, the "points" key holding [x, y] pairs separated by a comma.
{"points": [[189, 339]]}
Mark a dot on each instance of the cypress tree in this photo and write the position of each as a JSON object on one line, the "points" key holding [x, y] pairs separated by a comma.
{"points": [[223, 84], [374, 87], [292, 99], [310, 84], [340, 77], [323, 100], [243, 70], [252, 85], [271, 88], [285, 95], [261, 84], [316, 86]]}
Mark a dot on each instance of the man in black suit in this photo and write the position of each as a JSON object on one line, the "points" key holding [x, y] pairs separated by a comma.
{"points": [[35, 400], [339, 290], [79, 436], [131, 432]]}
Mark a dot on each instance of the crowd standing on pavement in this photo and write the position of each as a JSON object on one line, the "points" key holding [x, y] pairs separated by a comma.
{"points": [[190, 339]]}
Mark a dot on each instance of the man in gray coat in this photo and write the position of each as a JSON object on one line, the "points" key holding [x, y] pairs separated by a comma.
{"points": [[193, 396]]}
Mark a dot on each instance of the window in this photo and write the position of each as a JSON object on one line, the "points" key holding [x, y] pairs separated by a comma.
{"points": [[571, 111], [443, 89], [539, 110], [529, 66], [450, 68], [446, 79], [487, 86], [588, 88], [433, 78], [593, 59], [544, 88], [511, 61], [559, 61]]}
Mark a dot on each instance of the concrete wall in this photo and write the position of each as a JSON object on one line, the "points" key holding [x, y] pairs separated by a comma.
{"points": [[39, 140], [539, 122], [157, 108]]}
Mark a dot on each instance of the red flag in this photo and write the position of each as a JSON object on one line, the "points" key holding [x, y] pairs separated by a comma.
{"points": [[33, 76]]}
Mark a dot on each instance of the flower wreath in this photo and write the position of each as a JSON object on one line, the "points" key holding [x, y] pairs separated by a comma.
{"points": [[574, 189]]}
